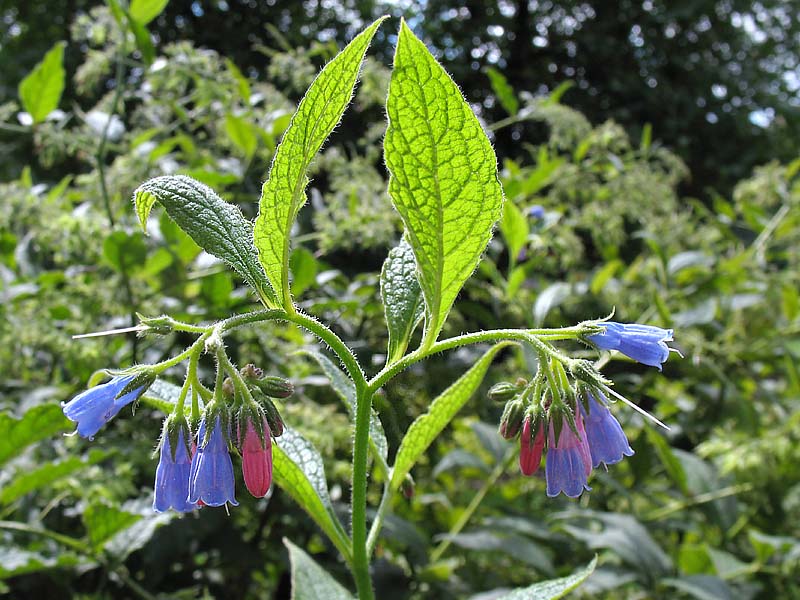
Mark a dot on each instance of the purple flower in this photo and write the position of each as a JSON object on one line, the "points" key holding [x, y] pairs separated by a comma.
{"points": [[172, 475], [607, 441], [536, 211], [98, 405], [569, 461], [643, 343], [211, 475]]}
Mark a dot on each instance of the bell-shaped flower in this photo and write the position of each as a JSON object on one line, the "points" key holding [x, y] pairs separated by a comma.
{"points": [[607, 441], [256, 448], [98, 405], [643, 343], [569, 460], [531, 445], [211, 476], [172, 475]]}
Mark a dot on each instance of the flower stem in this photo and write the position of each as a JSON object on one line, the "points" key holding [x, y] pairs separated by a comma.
{"points": [[360, 564]]}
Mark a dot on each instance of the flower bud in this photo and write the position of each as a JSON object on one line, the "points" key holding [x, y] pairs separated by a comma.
{"points": [[503, 391], [273, 417], [161, 325], [531, 444], [256, 447], [251, 373], [275, 387], [511, 421]]}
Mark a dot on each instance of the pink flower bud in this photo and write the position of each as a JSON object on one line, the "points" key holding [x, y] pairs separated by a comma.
{"points": [[530, 448], [257, 460]]}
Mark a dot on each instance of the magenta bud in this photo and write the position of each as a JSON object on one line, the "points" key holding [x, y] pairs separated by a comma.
{"points": [[531, 445], [256, 458]]}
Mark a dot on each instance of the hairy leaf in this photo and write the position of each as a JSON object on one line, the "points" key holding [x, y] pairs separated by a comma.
{"points": [[310, 581], [443, 175], [299, 470], [554, 588], [442, 410], [40, 91], [38, 423], [402, 298], [283, 194], [216, 226]]}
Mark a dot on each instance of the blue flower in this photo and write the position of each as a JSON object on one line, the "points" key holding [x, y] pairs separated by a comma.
{"points": [[607, 441], [98, 405], [569, 462], [536, 211], [211, 476], [172, 476], [643, 343]]}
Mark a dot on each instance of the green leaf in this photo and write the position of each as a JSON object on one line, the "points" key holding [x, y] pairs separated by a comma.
{"points": [[503, 91], [310, 581], [35, 479], [304, 269], [125, 251], [38, 423], [40, 91], [143, 42], [346, 390], [216, 226], [298, 469], [283, 194], [144, 11], [554, 588], [443, 176], [241, 134], [18, 561], [241, 80], [104, 522], [402, 298], [514, 227], [671, 463], [442, 410]]}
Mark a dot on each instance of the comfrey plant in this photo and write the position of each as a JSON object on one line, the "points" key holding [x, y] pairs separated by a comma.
{"points": [[443, 182]]}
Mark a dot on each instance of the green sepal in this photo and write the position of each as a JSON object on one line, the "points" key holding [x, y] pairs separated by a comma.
{"points": [[173, 425], [511, 421], [144, 379], [274, 419], [255, 414], [215, 410], [275, 387]]}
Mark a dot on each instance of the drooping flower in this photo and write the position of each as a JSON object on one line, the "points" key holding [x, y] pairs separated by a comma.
{"points": [[172, 475], [256, 458], [211, 476], [98, 405], [607, 441], [531, 446], [643, 343], [569, 460]]}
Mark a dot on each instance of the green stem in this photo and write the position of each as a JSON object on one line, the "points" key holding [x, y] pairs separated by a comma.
{"points": [[532, 336], [360, 564], [473, 505], [377, 523]]}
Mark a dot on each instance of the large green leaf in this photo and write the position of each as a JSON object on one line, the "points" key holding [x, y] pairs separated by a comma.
{"points": [[216, 226], [299, 470], [103, 522], [40, 91], [38, 423], [144, 11], [554, 588], [443, 175], [310, 581], [283, 194], [346, 390], [402, 298], [30, 480], [442, 410]]}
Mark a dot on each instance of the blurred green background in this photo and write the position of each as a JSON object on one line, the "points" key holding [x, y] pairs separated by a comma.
{"points": [[662, 140]]}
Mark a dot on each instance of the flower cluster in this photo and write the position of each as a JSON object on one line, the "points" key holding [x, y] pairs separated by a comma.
{"points": [[573, 426], [195, 467]]}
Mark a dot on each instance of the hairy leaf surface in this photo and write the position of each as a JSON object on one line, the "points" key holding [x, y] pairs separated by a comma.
{"points": [[283, 194], [216, 226], [443, 175], [402, 298], [442, 410]]}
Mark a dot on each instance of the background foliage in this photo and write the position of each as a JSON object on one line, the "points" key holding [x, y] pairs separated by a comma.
{"points": [[685, 232]]}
